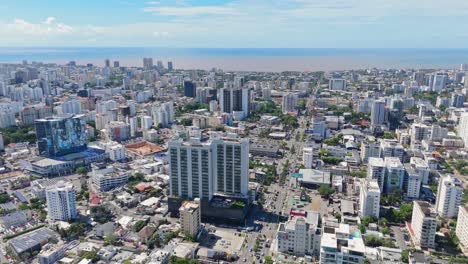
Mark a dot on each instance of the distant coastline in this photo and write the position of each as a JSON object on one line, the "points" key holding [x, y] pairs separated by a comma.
{"points": [[248, 59]]}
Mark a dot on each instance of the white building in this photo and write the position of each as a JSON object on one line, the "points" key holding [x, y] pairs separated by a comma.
{"points": [[423, 224], [289, 102], [391, 148], [421, 167], [449, 196], [378, 113], [376, 171], [200, 169], [337, 84], [61, 202], [108, 178], [164, 114], [146, 122], [462, 128], [369, 198], [300, 235], [394, 174], [461, 230], [412, 182], [370, 148], [7, 118], [308, 157], [419, 132], [339, 245], [72, 106], [190, 217], [439, 82]]}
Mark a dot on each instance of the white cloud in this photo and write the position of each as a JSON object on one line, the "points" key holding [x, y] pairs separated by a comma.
{"points": [[50, 20], [191, 10]]}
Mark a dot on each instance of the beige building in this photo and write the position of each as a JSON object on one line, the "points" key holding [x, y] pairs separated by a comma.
{"points": [[423, 224], [190, 217], [461, 230]]}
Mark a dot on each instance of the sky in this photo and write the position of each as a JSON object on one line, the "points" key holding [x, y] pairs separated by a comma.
{"points": [[235, 23]]}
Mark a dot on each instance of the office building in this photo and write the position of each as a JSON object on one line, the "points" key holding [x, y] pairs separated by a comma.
{"points": [[201, 169], [61, 135], [378, 113], [116, 64], [449, 196], [340, 245], [423, 224], [337, 84], [190, 89], [106, 63], [394, 174], [190, 217], [437, 133], [369, 198], [289, 103], [108, 178], [170, 65], [300, 235], [235, 102], [461, 231], [61, 202], [464, 67]]}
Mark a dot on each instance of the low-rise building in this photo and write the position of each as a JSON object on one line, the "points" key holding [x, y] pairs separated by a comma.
{"points": [[300, 235], [108, 178]]}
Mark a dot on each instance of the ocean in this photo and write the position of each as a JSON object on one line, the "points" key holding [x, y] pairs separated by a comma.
{"points": [[249, 59]]}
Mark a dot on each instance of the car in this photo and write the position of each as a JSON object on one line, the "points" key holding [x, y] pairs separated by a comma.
{"points": [[245, 260]]}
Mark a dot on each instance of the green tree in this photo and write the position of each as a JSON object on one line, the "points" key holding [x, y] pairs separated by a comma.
{"points": [[139, 225], [110, 239], [326, 191], [82, 171], [268, 260]]}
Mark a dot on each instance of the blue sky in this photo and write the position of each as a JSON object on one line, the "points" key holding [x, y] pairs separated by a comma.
{"points": [[236, 23]]}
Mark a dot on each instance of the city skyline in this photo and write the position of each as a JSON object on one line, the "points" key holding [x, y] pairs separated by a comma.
{"points": [[240, 24]]}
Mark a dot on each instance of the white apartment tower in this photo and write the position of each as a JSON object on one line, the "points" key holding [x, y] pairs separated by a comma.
{"points": [[424, 224], [461, 230], [370, 148], [376, 171], [369, 198], [394, 174], [61, 202], [449, 196], [308, 157], [462, 128], [201, 169]]}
